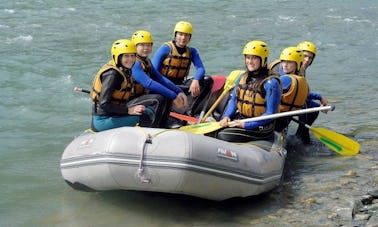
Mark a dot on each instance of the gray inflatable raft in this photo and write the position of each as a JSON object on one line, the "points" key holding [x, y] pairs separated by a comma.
{"points": [[172, 161]]}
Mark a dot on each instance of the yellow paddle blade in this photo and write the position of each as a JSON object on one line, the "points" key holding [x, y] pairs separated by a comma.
{"points": [[202, 128], [336, 142], [231, 79], [230, 83]]}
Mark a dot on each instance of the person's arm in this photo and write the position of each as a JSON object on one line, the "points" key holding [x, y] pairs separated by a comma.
{"points": [[197, 62], [160, 54], [141, 77], [111, 80], [273, 98], [316, 96], [231, 105], [165, 81]]}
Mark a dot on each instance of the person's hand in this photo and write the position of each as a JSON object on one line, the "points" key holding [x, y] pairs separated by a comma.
{"points": [[224, 121], [194, 88], [237, 124], [324, 102], [183, 98], [136, 110], [178, 102]]}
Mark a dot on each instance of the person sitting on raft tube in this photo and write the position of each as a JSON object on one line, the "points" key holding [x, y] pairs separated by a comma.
{"points": [[255, 94], [173, 60], [151, 79], [294, 86], [117, 101], [314, 99]]}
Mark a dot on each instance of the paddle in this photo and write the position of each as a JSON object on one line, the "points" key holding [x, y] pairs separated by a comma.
{"points": [[81, 90], [184, 117], [230, 83], [335, 141], [207, 127], [217, 85]]}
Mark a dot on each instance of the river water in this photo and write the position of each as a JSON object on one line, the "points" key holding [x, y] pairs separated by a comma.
{"points": [[48, 47]]}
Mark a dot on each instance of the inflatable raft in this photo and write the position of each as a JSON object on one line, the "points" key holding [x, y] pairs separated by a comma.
{"points": [[172, 161]]}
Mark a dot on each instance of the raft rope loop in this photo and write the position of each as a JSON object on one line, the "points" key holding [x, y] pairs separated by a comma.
{"points": [[141, 174]]}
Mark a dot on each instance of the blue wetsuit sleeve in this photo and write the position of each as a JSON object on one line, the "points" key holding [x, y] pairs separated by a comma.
{"points": [[310, 102], [200, 68], [141, 77], [165, 81], [273, 98], [315, 96], [286, 82], [160, 54], [231, 105]]}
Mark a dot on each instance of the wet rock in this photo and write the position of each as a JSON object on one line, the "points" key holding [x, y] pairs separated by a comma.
{"points": [[351, 173], [358, 207], [367, 199], [362, 217], [373, 221], [373, 193], [309, 201], [341, 214]]}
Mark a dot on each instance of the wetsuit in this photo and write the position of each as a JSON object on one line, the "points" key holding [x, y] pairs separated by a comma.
{"points": [[253, 130], [165, 52]]}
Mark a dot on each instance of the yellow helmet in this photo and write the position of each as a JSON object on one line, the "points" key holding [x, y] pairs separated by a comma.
{"points": [[122, 46], [184, 27], [257, 48], [142, 37], [307, 46], [293, 54]]}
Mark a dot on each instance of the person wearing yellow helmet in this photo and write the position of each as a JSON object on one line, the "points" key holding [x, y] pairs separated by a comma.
{"points": [[255, 94], [309, 52], [294, 86], [117, 100], [173, 60], [314, 99], [151, 79]]}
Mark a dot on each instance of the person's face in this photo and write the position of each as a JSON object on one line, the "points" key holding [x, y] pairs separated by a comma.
{"points": [[144, 49], [308, 57], [182, 39], [128, 60], [252, 62], [289, 66]]}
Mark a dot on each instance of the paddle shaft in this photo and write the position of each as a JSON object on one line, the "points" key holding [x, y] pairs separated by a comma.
{"points": [[208, 127], [81, 90], [289, 113], [230, 83]]}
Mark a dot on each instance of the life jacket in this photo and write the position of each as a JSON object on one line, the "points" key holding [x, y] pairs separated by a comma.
{"points": [[274, 67], [295, 97], [250, 96], [176, 66], [146, 65], [120, 96]]}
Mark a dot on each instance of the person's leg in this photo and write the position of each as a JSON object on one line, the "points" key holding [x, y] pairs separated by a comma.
{"points": [[282, 123], [157, 105], [205, 86], [242, 135], [101, 123], [302, 131]]}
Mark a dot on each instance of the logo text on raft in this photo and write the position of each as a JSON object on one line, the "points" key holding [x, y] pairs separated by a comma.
{"points": [[224, 153]]}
